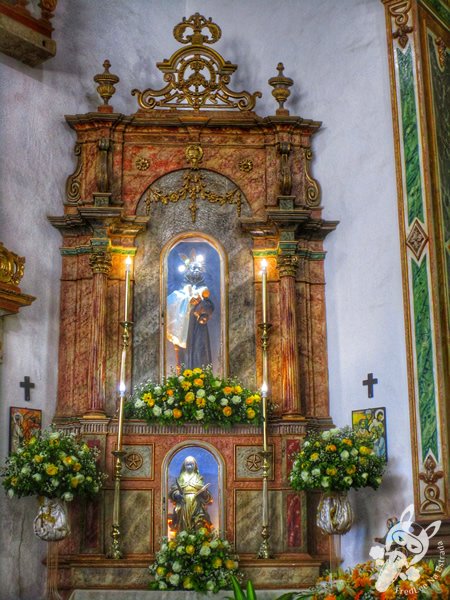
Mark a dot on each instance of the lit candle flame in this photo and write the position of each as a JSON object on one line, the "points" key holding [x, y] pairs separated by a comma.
{"points": [[122, 387], [264, 388], [128, 262], [264, 264]]}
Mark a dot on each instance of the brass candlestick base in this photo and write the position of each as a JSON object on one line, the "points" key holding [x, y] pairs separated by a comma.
{"points": [[264, 551], [116, 534]]}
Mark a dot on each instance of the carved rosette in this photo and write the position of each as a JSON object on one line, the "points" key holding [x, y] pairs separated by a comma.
{"points": [[101, 261]]}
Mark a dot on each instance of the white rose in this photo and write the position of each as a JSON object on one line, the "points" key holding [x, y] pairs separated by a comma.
{"points": [[214, 544], [183, 535], [170, 401], [200, 393], [211, 398], [174, 579], [54, 435], [306, 444], [37, 476], [176, 567], [354, 452], [162, 585], [157, 411], [315, 472], [158, 390], [326, 435], [365, 475], [68, 497], [205, 551], [344, 454], [25, 470], [210, 586], [10, 492], [334, 431], [139, 403], [325, 482], [181, 378], [348, 480], [54, 482], [224, 401], [304, 475], [180, 550], [235, 399], [199, 414], [164, 548]]}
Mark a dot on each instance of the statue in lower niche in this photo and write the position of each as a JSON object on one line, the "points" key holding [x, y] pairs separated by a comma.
{"points": [[191, 497]]}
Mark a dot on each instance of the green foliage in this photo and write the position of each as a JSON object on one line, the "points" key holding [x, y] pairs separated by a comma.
{"points": [[197, 560], [53, 464], [197, 396], [337, 460]]}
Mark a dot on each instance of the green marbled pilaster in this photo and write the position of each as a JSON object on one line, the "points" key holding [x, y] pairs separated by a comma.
{"points": [[410, 136], [424, 357], [440, 80]]}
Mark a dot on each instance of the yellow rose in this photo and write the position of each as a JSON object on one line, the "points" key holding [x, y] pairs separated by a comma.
{"points": [[190, 549], [351, 470], [250, 413], [237, 389], [198, 382], [148, 399], [227, 390], [186, 385], [187, 373], [76, 467], [217, 563], [315, 456], [330, 448], [190, 397], [197, 371], [257, 397], [177, 414], [38, 458], [160, 571], [250, 400], [365, 450], [74, 482], [51, 469], [230, 564], [31, 441], [68, 460], [331, 471], [347, 442], [198, 569], [200, 402], [227, 411], [170, 392], [172, 545], [13, 481], [187, 583]]}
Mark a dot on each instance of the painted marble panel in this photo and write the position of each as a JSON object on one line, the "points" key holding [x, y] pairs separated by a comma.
{"points": [[136, 520], [138, 462], [424, 358], [249, 462], [410, 135], [222, 224], [440, 81], [248, 521]]}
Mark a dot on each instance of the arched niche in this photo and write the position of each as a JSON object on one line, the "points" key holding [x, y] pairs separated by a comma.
{"points": [[193, 296], [211, 467], [172, 222]]}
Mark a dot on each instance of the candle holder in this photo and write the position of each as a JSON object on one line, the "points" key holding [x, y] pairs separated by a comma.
{"points": [[264, 549], [116, 533]]}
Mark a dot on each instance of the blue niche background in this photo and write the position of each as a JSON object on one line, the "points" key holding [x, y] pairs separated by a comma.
{"points": [[212, 280], [209, 470]]}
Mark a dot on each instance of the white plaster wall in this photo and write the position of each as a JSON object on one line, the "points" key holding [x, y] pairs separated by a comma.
{"points": [[336, 53]]}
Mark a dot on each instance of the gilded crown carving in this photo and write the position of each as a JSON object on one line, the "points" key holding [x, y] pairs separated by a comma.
{"points": [[197, 76]]}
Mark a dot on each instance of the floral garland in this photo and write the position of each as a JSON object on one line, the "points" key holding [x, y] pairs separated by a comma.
{"points": [[54, 464], [196, 395], [359, 582], [198, 560], [337, 460]]}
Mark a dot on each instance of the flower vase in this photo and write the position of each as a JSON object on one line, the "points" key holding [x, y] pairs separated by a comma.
{"points": [[334, 513], [51, 524]]}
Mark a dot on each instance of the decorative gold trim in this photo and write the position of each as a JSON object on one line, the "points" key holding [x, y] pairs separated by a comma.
{"points": [[194, 188], [441, 47], [106, 82], [11, 266], [100, 261], [197, 77], [281, 91], [142, 164]]}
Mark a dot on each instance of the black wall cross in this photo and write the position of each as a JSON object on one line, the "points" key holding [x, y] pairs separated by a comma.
{"points": [[370, 382], [27, 385]]}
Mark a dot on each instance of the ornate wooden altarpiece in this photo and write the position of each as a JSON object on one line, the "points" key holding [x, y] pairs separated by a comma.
{"points": [[193, 160]]}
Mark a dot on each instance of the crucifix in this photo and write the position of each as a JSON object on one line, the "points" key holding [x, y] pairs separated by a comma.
{"points": [[370, 382], [27, 385]]}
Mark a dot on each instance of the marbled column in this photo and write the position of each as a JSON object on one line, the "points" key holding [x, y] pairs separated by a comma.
{"points": [[100, 262], [287, 267]]}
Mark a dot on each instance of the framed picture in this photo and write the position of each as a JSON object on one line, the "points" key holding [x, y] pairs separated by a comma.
{"points": [[373, 420], [23, 423]]}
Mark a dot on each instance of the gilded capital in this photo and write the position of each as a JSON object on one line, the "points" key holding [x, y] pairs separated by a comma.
{"points": [[101, 262], [287, 265], [11, 266]]}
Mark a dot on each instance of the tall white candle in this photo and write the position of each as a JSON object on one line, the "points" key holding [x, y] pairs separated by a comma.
{"points": [[127, 286], [264, 289]]}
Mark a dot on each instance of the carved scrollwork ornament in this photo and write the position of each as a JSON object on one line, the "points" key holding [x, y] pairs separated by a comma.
{"points": [[287, 265], [101, 262], [103, 172], [11, 266], [285, 171], [399, 11], [432, 493], [312, 191], [441, 51], [196, 76], [73, 183]]}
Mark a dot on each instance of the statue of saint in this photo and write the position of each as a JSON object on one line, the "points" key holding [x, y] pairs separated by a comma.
{"points": [[190, 495], [188, 312]]}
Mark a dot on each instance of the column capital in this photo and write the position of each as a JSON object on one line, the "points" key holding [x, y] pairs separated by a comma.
{"points": [[287, 265], [101, 261]]}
